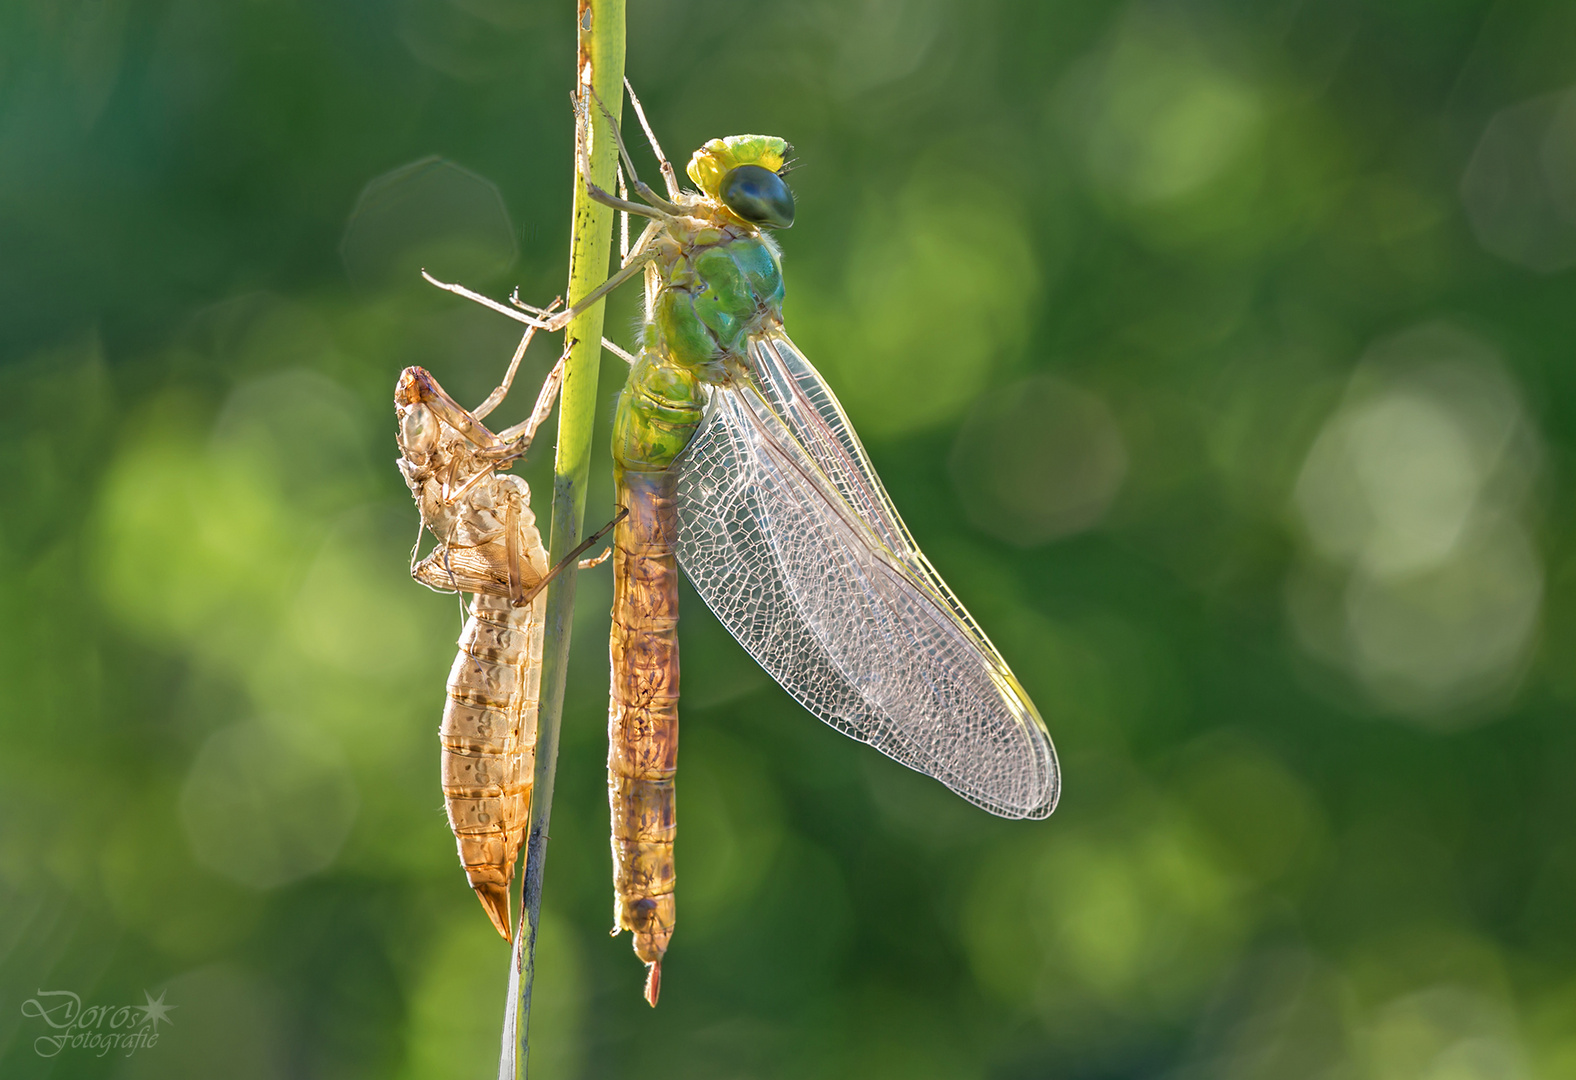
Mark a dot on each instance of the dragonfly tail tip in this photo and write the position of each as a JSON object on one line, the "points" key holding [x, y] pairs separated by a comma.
{"points": [[653, 982], [495, 901]]}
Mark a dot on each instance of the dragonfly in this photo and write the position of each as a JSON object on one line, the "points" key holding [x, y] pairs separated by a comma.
{"points": [[735, 461], [488, 545]]}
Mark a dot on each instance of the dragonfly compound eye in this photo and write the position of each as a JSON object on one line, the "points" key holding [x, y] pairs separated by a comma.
{"points": [[758, 195], [418, 431]]}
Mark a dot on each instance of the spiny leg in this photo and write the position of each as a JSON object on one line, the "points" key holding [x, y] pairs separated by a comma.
{"points": [[623, 220], [421, 527], [452, 497], [668, 176], [623, 274], [518, 438], [582, 154], [579, 550], [563, 318], [496, 397], [592, 564], [610, 346], [511, 545], [618, 352], [648, 235], [641, 187], [628, 206]]}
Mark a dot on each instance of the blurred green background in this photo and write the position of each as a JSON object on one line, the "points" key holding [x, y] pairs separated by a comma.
{"points": [[1218, 354]]}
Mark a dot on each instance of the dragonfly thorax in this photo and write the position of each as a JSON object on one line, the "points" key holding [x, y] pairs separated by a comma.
{"points": [[717, 283]]}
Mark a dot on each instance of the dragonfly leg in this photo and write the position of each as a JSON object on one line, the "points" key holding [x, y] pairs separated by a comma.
{"points": [[636, 265], [610, 346], [591, 564], [415, 549], [641, 187], [663, 163], [647, 237], [613, 348], [511, 545], [623, 221], [517, 439], [600, 194], [580, 550], [628, 206], [502, 391], [563, 318]]}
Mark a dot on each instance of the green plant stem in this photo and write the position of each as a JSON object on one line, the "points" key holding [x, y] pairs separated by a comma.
{"points": [[601, 45]]}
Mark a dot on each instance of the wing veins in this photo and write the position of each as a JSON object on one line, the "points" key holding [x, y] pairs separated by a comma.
{"points": [[999, 716]]}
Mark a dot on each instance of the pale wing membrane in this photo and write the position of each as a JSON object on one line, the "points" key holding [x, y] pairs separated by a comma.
{"points": [[794, 389], [796, 392], [797, 575]]}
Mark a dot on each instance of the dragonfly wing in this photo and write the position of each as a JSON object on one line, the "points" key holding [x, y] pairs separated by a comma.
{"points": [[794, 389], [797, 393], [809, 584]]}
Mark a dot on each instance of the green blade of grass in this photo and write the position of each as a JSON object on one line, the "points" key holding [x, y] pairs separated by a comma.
{"points": [[601, 49]]}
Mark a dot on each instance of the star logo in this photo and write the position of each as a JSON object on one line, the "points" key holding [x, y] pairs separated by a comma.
{"points": [[154, 1011]]}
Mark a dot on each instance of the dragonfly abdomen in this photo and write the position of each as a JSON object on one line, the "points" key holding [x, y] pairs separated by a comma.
{"points": [[643, 716], [489, 743]]}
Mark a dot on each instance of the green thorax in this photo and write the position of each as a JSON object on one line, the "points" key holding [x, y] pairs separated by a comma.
{"points": [[717, 284], [718, 280]]}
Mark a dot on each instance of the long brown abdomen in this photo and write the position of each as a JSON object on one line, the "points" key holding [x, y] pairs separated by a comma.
{"points": [[643, 716], [489, 743]]}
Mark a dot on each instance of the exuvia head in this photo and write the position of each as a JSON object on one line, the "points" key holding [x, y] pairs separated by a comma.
{"points": [[418, 433], [745, 174], [418, 427]]}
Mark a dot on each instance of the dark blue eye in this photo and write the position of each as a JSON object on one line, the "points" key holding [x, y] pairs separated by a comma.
{"points": [[758, 195]]}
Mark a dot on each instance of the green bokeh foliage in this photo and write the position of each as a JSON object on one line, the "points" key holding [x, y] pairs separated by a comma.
{"points": [[1218, 354]]}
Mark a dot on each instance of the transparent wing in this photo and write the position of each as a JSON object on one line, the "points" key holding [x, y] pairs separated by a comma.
{"points": [[795, 391], [790, 538]]}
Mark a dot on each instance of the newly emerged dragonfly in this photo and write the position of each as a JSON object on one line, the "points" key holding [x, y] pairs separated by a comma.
{"points": [[489, 546], [736, 462]]}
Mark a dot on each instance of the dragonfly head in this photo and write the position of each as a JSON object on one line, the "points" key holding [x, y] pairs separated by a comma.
{"points": [[744, 174]]}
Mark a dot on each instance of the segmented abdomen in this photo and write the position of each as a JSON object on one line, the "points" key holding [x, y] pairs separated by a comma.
{"points": [[489, 742], [643, 716]]}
